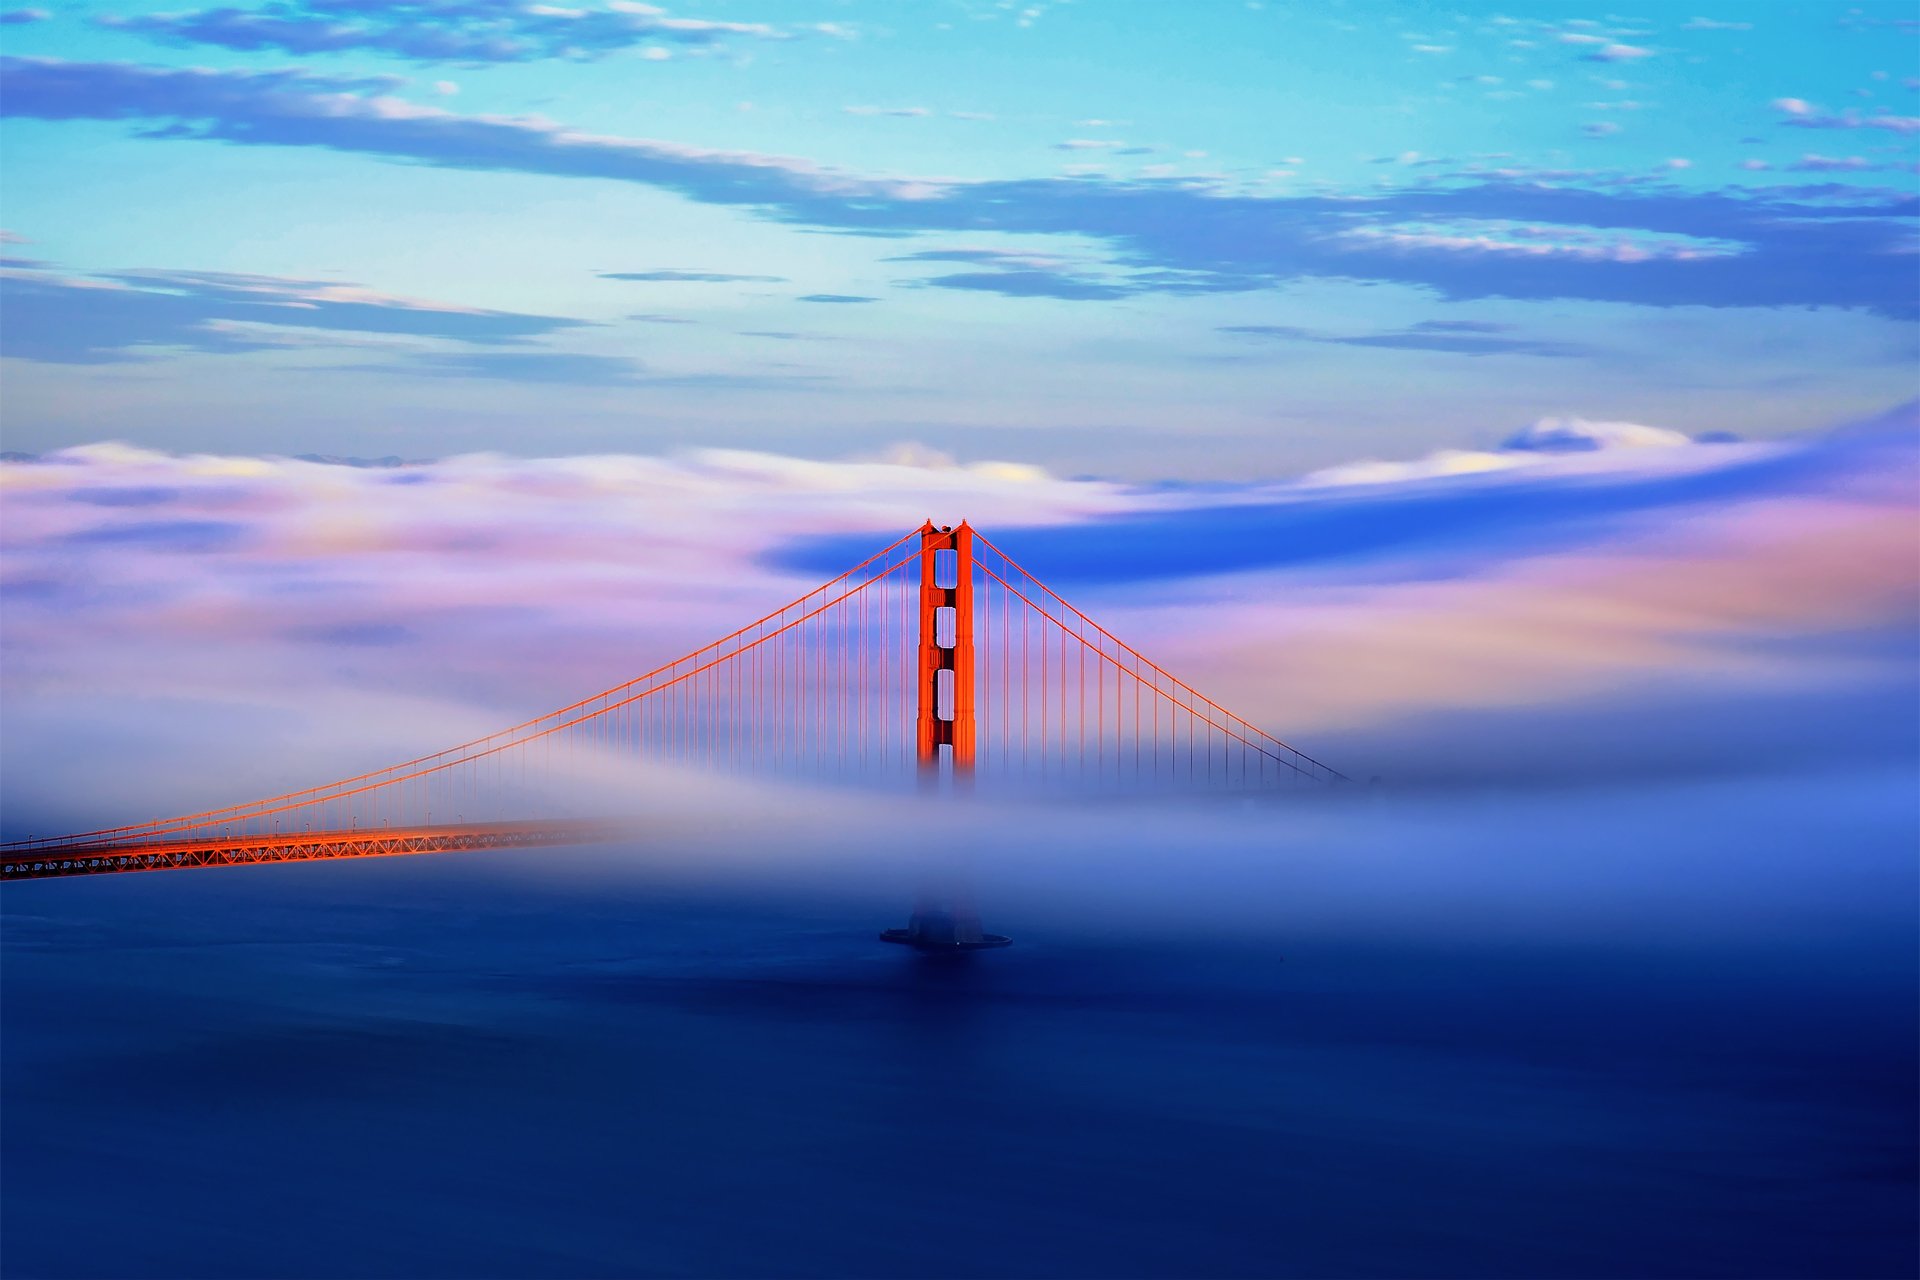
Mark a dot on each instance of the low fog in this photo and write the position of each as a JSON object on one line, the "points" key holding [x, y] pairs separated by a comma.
{"points": [[1593, 604]]}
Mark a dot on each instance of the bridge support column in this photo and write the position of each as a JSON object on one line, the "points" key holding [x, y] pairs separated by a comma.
{"points": [[945, 714], [944, 920]]}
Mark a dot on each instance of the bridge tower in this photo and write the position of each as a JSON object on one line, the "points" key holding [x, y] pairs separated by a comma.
{"points": [[944, 717], [944, 919]]}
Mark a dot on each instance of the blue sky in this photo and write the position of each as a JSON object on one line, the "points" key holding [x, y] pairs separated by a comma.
{"points": [[1211, 242]]}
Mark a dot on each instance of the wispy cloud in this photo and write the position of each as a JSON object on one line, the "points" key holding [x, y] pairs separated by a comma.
{"points": [[472, 31], [1449, 337], [115, 317], [1006, 258], [1801, 114], [1183, 237], [670, 275], [1014, 273], [1619, 53], [1031, 284], [1813, 162], [555, 367]]}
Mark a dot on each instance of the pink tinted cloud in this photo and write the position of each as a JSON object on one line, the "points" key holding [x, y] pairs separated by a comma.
{"points": [[1693, 600], [212, 628]]}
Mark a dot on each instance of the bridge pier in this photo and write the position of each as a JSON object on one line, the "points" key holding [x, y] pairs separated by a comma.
{"points": [[944, 919], [942, 929]]}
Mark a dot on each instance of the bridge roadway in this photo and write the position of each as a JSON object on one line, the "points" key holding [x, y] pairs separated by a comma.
{"points": [[34, 860]]}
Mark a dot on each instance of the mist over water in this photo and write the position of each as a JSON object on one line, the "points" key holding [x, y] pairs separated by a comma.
{"points": [[1641, 1029]]}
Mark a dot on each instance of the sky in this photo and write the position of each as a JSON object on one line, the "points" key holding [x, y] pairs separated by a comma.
{"points": [[1235, 240], [1467, 395]]}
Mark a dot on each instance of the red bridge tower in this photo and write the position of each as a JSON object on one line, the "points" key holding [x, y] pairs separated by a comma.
{"points": [[945, 716], [944, 920]]}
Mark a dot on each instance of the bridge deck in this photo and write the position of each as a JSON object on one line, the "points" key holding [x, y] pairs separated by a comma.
{"points": [[54, 860]]}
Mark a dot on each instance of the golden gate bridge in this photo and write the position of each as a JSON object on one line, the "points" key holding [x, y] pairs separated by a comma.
{"points": [[937, 658]]}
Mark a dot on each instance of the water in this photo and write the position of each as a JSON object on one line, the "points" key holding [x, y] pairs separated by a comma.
{"points": [[529, 1064]]}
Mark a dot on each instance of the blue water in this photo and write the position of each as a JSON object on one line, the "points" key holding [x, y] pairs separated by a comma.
{"points": [[472, 1066]]}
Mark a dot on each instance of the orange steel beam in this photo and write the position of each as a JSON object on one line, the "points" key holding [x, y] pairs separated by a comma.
{"points": [[302, 846], [964, 730], [956, 729]]}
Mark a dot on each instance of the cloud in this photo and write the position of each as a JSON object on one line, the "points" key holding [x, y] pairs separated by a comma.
{"points": [[1463, 326], [511, 579], [1708, 24], [467, 31], [1453, 337], [20, 17], [1019, 274], [1815, 163], [1618, 53], [1030, 284], [1463, 344], [1856, 20], [356, 634], [909, 112], [834, 297], [1559, 483], [116, 316], [1268, 330], [1176, 237], [1802, 114], [1521, 240], [555, 367], [162, 535], [1600, 129], [674, 276], [348, 616], [1512, 577], [1582, 435], [1902, 125], [1034, 259]]}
